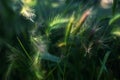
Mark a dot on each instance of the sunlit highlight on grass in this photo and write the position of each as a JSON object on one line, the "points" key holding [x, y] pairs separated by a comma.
{"points": [[116, 31]]}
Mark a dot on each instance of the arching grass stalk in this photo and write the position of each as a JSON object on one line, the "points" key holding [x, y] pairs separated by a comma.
{"points": [[114, 19], [68, 29]]}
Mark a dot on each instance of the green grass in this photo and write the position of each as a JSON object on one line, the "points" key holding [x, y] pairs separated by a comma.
{"points": [[56, 40]]}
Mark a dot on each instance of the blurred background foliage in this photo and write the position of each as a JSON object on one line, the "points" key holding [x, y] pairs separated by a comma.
{"points": [[59, 40]]}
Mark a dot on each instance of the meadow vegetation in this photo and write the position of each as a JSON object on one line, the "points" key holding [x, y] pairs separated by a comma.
{"points": [[59, 40]]}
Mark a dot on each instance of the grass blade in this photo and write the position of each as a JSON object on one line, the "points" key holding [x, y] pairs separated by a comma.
{"points": [[68, 29], [24, 49], [103, 65]]}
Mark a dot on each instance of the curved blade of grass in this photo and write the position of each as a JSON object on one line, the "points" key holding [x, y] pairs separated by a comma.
{"points": [[115, 18]]}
